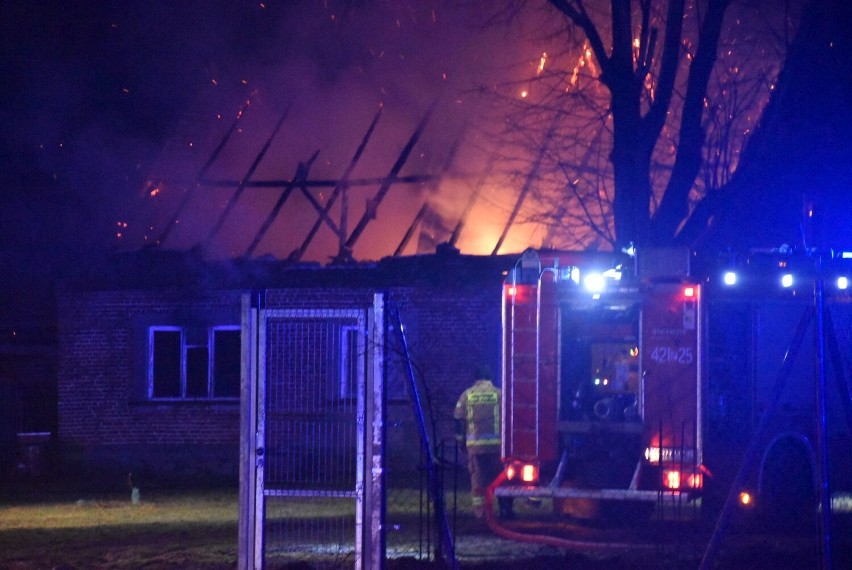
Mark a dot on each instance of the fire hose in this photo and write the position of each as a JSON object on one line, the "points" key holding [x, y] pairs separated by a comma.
{"points": [[545, 539]]}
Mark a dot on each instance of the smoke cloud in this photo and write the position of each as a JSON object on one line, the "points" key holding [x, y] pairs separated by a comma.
{"points": [[115, 108]]}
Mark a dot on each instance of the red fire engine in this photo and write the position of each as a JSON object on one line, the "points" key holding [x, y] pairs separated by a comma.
{"points": [[629, 383]]}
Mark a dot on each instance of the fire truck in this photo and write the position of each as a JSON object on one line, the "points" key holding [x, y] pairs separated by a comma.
{"points": [[633, 381]]}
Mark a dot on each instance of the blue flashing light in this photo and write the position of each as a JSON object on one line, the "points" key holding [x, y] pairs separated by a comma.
{"points": [[842, 283], [787, 280], [730, 278], [594, 282]]}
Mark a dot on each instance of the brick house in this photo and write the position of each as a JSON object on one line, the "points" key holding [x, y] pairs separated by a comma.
{"points": [[148, 379]]}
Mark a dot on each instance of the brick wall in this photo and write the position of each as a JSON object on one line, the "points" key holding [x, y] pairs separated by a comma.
{"points": [[107, 426], [103, 410], [450, 333]]}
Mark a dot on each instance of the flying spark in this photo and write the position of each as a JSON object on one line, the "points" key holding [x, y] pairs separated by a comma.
{"points": [[541, 63]]}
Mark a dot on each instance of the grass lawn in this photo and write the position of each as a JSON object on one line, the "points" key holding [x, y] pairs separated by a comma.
{"points": [[167, 530], [63, 530]]}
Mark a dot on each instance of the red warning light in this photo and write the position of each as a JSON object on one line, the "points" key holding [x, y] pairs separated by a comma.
{"points": [[518, 293], [689, 292]]}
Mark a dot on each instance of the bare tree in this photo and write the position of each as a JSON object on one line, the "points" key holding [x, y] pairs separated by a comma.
{"points": [[645, 106]]}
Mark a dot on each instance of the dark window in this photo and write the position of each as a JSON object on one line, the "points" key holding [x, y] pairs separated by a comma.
{"points": [[166, 363], [197, 364], [197, 371], [226, 363]]}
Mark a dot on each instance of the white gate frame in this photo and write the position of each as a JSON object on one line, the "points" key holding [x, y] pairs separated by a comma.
{"points": [[369, 491]]}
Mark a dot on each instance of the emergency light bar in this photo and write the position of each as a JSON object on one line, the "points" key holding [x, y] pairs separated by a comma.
{"points": [[789, 269], [596, 281], [787, 280]]}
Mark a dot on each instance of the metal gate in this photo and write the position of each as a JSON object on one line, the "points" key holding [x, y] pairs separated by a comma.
{"points": [[311, 451]]}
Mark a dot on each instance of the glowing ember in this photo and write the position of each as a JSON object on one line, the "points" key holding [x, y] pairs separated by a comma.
{"points": [[541, 63]]}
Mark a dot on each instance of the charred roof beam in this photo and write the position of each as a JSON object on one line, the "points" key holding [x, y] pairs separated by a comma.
{"points": [[373, 204], [242, 185], [434, 186], [340, 188], [300, 177], [200, 176]]}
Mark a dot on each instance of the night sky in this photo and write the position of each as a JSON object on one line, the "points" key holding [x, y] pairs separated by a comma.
{"points": [[794, 186], [102, 98], [110, 109]]}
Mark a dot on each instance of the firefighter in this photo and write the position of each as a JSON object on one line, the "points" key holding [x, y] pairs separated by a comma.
{"points": [[477, 416]]}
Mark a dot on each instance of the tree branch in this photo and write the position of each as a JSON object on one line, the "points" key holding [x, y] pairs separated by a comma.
{"points": [[647, 41], [656, 117], [576, 12], [675, 203]]}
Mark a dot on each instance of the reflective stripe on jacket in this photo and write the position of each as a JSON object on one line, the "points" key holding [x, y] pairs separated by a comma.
{"points": [[479, 406]]}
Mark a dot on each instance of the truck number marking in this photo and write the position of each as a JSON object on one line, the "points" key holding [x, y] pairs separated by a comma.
{"points": [[671, 355]]}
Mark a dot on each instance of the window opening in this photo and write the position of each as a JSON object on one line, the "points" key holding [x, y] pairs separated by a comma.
{"points": [[194, 371], [226, 362], [165, 376]]}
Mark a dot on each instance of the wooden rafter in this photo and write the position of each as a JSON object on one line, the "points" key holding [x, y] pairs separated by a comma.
{"points": [[242, 185]]}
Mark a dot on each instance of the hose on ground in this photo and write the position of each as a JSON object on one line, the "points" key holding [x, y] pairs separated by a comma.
{"points": [[545, 539]]}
